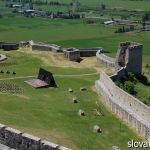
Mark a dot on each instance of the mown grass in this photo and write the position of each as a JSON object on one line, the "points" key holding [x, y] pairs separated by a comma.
{"points": [[26, 65], [50, 114]]}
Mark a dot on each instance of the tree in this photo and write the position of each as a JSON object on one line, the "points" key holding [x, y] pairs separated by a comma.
{"points": [[103, 6], [145, 17], [31, 5]]}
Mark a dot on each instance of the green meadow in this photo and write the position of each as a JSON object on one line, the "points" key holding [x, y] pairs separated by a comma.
{"points": [[126, 4]]}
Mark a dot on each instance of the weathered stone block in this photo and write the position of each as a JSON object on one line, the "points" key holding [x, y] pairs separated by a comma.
{"points": [[74, 100], [97, 129], [45, 145], [63, 148], [12, 137], [30, 142], [70, 90], [81, 112], [2, 133], [83, 89], [115, 148]]}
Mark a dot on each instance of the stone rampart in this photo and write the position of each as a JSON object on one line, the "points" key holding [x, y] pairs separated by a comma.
{"points": [[102, 58], [88, 52], [129, 55], [128, 108], [22, 141], [46, 47], [72, 54], [8, 46]]}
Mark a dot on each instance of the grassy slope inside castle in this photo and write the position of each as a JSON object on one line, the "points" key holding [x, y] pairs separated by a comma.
{"points": [[50, 113]]}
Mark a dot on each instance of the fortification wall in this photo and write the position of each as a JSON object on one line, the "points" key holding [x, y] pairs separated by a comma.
{"points": [[46, 47], [88, 52], [72, 54], [107, 61], [17, 140], [6, 46], [128, 108], [129, 54]]}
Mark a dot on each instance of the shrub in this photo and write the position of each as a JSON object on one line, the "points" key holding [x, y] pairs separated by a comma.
{"points": [[132, 78], [129, 87], [145, 102]]}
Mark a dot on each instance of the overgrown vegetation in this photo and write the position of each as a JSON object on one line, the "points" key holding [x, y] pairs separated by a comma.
{"points": [[130, 84]]}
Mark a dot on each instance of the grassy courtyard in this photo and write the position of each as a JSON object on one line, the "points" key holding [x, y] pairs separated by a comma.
{"points": [[50, 113]]}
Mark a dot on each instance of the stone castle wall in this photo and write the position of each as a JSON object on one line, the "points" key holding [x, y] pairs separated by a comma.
{"points": [[22, 141], [72, 54], [128, 108], [88, 52], [129, 54], [46, 47], [107, 61]]}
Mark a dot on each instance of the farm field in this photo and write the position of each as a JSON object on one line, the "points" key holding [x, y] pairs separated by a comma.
{"points": [[126, 4]]}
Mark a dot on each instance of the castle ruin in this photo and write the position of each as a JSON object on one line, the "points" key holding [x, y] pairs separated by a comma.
{"points": [[129, 55], [128, 108]]}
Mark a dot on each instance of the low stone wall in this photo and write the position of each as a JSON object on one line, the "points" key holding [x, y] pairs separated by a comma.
{"points": [[107, 61], [6, 46], [88, 52], [46, 47], [72, 54], [128, 108], [17, 140]]}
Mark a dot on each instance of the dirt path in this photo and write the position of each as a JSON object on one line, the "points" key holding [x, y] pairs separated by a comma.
{"points": [[56, 75]]}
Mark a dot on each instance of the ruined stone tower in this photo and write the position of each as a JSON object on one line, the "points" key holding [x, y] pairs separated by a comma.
{"points": [[129, 56]]}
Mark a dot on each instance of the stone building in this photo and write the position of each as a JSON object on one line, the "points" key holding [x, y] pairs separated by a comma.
{"points": [[88, 52], [72, 54], [129, 55]]}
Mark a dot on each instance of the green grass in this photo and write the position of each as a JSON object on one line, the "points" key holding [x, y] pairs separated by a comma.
{"points": [[17, 61], [143, 93], [51, 8], [68, 33], [50, 114], [127, 4]]}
